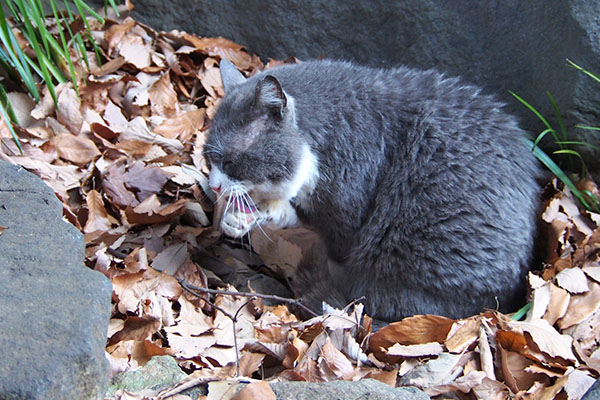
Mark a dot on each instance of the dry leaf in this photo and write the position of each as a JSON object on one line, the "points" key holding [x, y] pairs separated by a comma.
{"points": [[462, 334], [559, 303], [183, 125], [337, 361], [98, 218], [69, 109], [76, 149], [573, 280], [436, 372], [581, 307], [419, 329], [547, 338], [415, 350], [163, 99]]}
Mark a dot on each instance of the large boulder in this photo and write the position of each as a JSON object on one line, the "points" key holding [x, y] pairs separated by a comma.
{"points": [[499, 44], [366, 389], [54, 310]]}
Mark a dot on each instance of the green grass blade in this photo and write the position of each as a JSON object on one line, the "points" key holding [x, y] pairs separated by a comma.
{"points": [[37, 14], [13, 11], [572, 152], [574, 142], [69, 12], [544, 133], [64, 49], [83, 8], [96, 49], [9, 117], [521, 312], [81, 50], [558, 172], [591, 128], [8, 107], [593, 200], [16, 56], [559, 117], [532, 109], [43, 64], [6, 65], [585, 71], [114, 6]]}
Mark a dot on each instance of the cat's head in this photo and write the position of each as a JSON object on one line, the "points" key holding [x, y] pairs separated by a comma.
{"points": [[254, 149]]}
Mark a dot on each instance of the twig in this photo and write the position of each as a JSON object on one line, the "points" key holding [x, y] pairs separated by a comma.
{"points": [[191, 289], [234, 320], [295, 302], [213, 305]]}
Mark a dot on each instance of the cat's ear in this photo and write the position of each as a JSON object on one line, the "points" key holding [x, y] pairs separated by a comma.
{"points": [[230, 75], [270, 95]]}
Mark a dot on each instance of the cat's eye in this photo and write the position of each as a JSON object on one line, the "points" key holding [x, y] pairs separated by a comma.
{"points": [[226, 163]]}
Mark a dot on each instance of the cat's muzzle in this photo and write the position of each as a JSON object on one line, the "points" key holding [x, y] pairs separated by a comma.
{"points": [[234, 217]]}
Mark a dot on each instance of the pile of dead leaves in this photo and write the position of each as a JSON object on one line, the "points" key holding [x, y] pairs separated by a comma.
{"points": [[125, 159]]}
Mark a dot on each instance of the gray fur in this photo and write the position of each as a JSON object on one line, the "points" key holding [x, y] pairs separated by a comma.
{"points": [[427, 194]]}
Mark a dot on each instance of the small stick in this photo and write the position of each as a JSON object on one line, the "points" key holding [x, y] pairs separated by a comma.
{"points": [[295, 302]]}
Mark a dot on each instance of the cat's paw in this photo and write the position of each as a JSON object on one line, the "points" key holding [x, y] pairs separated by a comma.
{"points": [[279, 214]]}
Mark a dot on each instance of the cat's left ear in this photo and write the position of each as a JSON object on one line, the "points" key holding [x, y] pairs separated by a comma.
{"points": [[270, 95], [230, 75]]}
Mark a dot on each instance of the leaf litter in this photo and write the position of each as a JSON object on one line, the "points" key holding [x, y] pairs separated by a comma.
{"points": [[126, 161]]}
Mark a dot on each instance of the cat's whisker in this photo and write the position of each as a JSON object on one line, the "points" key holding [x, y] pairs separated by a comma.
{"points": [[255, 214], [228, 204], [211, 146]]}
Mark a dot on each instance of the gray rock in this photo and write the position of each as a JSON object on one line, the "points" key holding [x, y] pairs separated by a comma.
{"points": [[499, 44], [366, 389], [594, 392], [161, 372], [54, 310]]}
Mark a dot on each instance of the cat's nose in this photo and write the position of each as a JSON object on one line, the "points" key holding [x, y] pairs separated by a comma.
{"points": [[216, 189]]}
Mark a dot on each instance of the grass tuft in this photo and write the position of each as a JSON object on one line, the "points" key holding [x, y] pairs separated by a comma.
{"points": [[48, 61], [565, 146]]}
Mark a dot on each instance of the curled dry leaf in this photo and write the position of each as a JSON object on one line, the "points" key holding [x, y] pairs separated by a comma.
{"points": [[419, 329]]}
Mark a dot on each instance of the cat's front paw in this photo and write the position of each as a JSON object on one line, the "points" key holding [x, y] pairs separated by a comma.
{"points": [[280, 214]]}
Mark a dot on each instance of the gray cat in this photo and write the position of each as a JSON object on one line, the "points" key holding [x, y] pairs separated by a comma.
{"points": [[421, 187]]}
